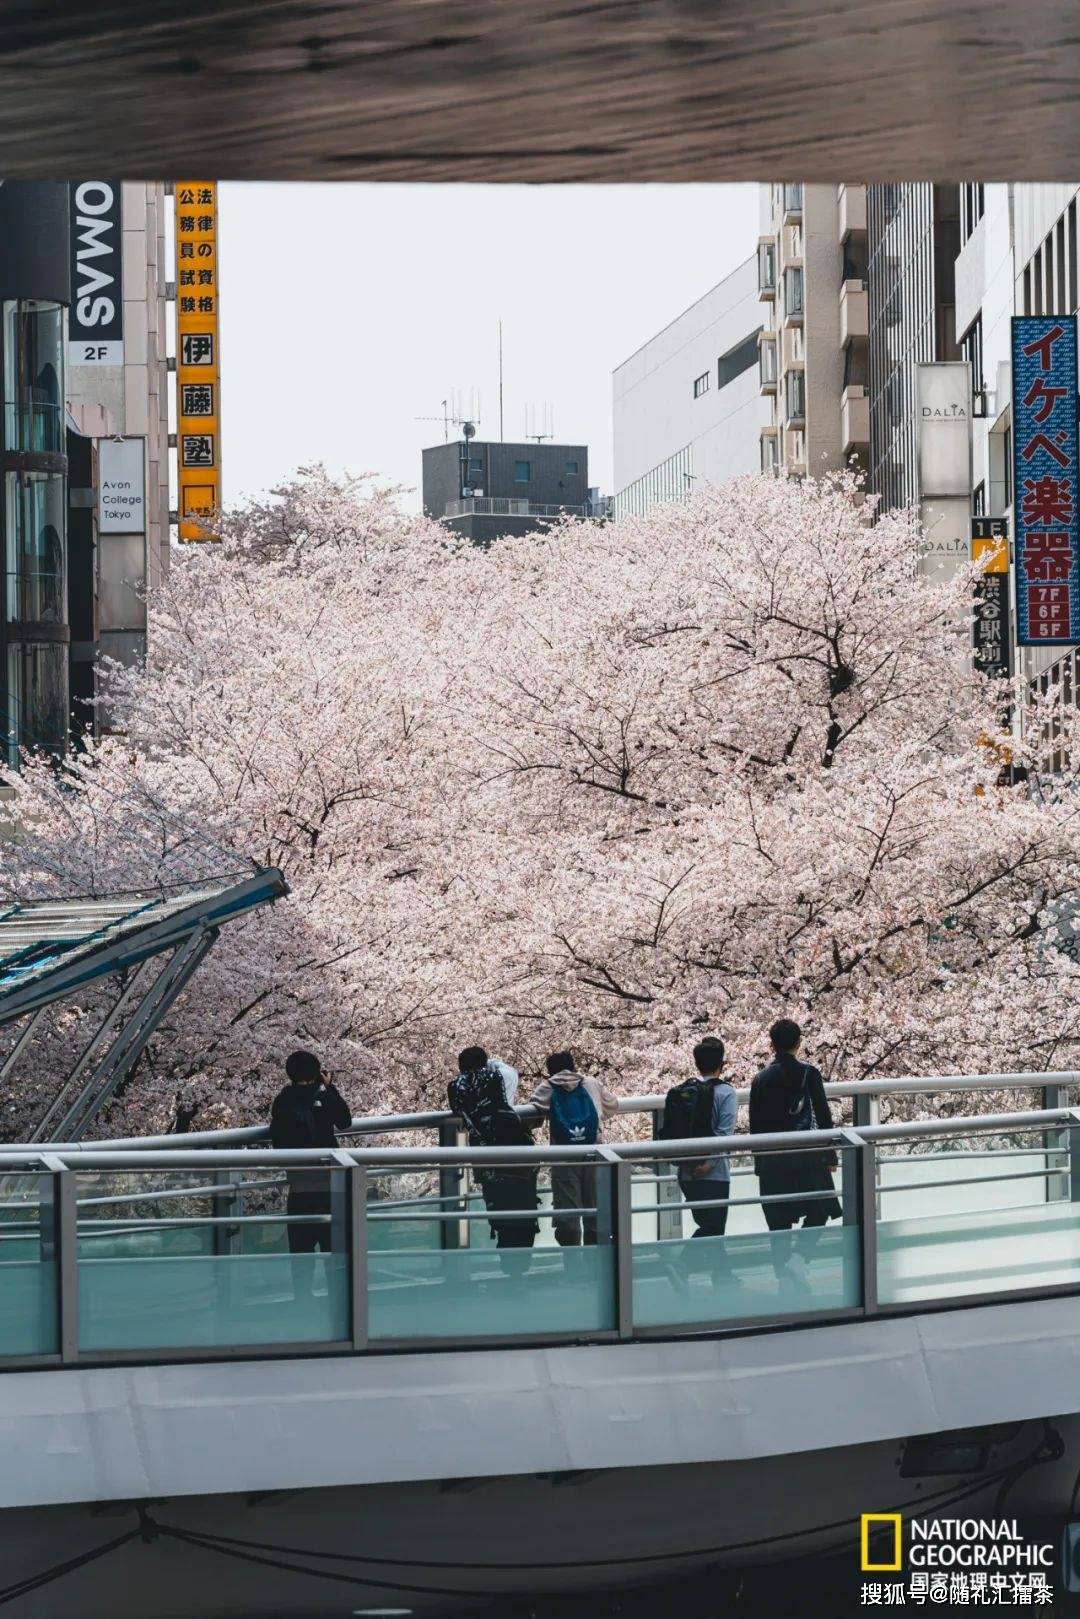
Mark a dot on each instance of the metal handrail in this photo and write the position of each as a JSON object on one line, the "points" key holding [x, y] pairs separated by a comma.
{"points": [[436, 1119], [94, 1156]]}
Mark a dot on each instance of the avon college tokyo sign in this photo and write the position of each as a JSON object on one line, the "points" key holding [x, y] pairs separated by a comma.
{"points": [[1045, 480]]}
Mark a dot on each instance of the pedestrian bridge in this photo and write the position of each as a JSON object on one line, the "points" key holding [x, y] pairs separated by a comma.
{"points": [[164, 1343]]}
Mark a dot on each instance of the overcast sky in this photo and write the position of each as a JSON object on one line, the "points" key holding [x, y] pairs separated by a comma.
{"points": [[349, 311]]}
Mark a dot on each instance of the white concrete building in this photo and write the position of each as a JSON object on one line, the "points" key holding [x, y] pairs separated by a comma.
{"points": [[688, 407]]}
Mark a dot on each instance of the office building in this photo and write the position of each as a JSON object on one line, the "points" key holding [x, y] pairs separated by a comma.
{"points": [[812, 286], [84, 519], [914, 238], [687, 406], [118, 392], [35, 288], [483, 489]]}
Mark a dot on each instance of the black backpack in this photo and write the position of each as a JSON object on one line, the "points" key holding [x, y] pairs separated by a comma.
{"points": [[688, 1110], [479, 1098]]}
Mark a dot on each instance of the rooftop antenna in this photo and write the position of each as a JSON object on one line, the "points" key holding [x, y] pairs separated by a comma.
{"points": [[454, 416], [546, 428]]}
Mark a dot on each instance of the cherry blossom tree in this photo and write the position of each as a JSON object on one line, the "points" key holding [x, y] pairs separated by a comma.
{"points": [[609, 786]]}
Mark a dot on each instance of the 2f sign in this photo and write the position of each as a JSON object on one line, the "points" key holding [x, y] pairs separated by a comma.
{"points": [[96, 317]]}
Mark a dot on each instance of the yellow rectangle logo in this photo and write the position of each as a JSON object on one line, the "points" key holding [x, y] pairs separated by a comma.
{"points": [[873, 1519]]}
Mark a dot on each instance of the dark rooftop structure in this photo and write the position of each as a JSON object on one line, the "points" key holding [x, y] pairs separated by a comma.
{"points": [[485, 489]]}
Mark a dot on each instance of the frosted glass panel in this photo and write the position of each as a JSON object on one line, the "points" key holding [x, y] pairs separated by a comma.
{"points": [[950, 1255], [710, 1280], [483, 1292], [181, 1303], [27, 1306]]}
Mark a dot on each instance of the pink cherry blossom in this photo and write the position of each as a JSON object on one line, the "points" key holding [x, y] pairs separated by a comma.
{"points": [[606, 787]]}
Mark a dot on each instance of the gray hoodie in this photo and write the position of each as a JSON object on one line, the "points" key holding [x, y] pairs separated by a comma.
{"points": [[605, 1102]]}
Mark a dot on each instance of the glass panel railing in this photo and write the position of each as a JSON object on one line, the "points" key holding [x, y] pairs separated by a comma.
{"points": [[28, 1320], [527, 1268], [987, 1214], [787, 1243], [186, 1260]]}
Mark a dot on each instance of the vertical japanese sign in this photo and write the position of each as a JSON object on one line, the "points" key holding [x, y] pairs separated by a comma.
{"points": [[990, 548], [198, 359], [1045, 480]]}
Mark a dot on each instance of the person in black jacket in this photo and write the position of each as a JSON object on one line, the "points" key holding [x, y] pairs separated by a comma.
{"points": [[789, 1095], [308, 1113]]}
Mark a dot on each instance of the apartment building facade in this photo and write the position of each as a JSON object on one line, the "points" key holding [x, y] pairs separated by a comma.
{"points": [[812, 254]]}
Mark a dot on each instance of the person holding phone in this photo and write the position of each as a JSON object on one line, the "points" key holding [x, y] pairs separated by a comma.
{"points": [[789, 1095], [308, 1112]]}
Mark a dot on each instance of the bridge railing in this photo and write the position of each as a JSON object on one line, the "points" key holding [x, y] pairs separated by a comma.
{"points": [[110, 1254], [865, 1096]]}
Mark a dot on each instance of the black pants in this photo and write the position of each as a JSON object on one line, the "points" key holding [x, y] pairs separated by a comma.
{"points": [[784, 1217], [516, 1190], [709, 1222], [306, 1237]]}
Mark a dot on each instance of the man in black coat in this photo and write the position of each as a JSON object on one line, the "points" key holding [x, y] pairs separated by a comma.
{"points": [[308, 1113], [789, 1095]]}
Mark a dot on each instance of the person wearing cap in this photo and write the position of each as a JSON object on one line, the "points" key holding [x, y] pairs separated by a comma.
{"points": [[307, 1113]]}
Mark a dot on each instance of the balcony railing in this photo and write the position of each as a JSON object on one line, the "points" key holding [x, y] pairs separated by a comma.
{"points": [[110, 1255], [496, 506]]}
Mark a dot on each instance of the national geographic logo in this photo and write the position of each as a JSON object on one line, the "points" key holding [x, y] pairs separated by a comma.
{"points": [[947, 1543], [887, 1532]]}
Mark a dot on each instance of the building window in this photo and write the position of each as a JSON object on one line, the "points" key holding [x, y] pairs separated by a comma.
{"points": [[972, 208], [796, 396], [737, 360], [793, 199], [522, 471], [476, 466], [770, 452], [972, 349], [767, 364], [767, 268], [33, 344], [701, 384], [978, 501], [37, 698], [793, 292], [570, 469], [34, 512]]}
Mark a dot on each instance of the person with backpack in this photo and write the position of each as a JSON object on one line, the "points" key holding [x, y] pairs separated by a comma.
{"points": [[481, 1095], [307, 1113], [576, 1106], [789, 1095], [706, 1106]]}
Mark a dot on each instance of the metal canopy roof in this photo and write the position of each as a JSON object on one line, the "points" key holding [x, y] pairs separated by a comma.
{"points": [[49, 947], [52, 950]]}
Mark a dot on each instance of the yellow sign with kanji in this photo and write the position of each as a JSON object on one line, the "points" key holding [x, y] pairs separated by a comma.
{"points": [[198, 358]]}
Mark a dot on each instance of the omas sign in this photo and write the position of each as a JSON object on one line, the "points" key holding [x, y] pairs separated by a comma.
{"points": [[96, 317]]}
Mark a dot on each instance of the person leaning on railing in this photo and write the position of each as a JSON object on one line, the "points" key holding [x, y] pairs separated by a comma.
{"points": [[482, 1094]]}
